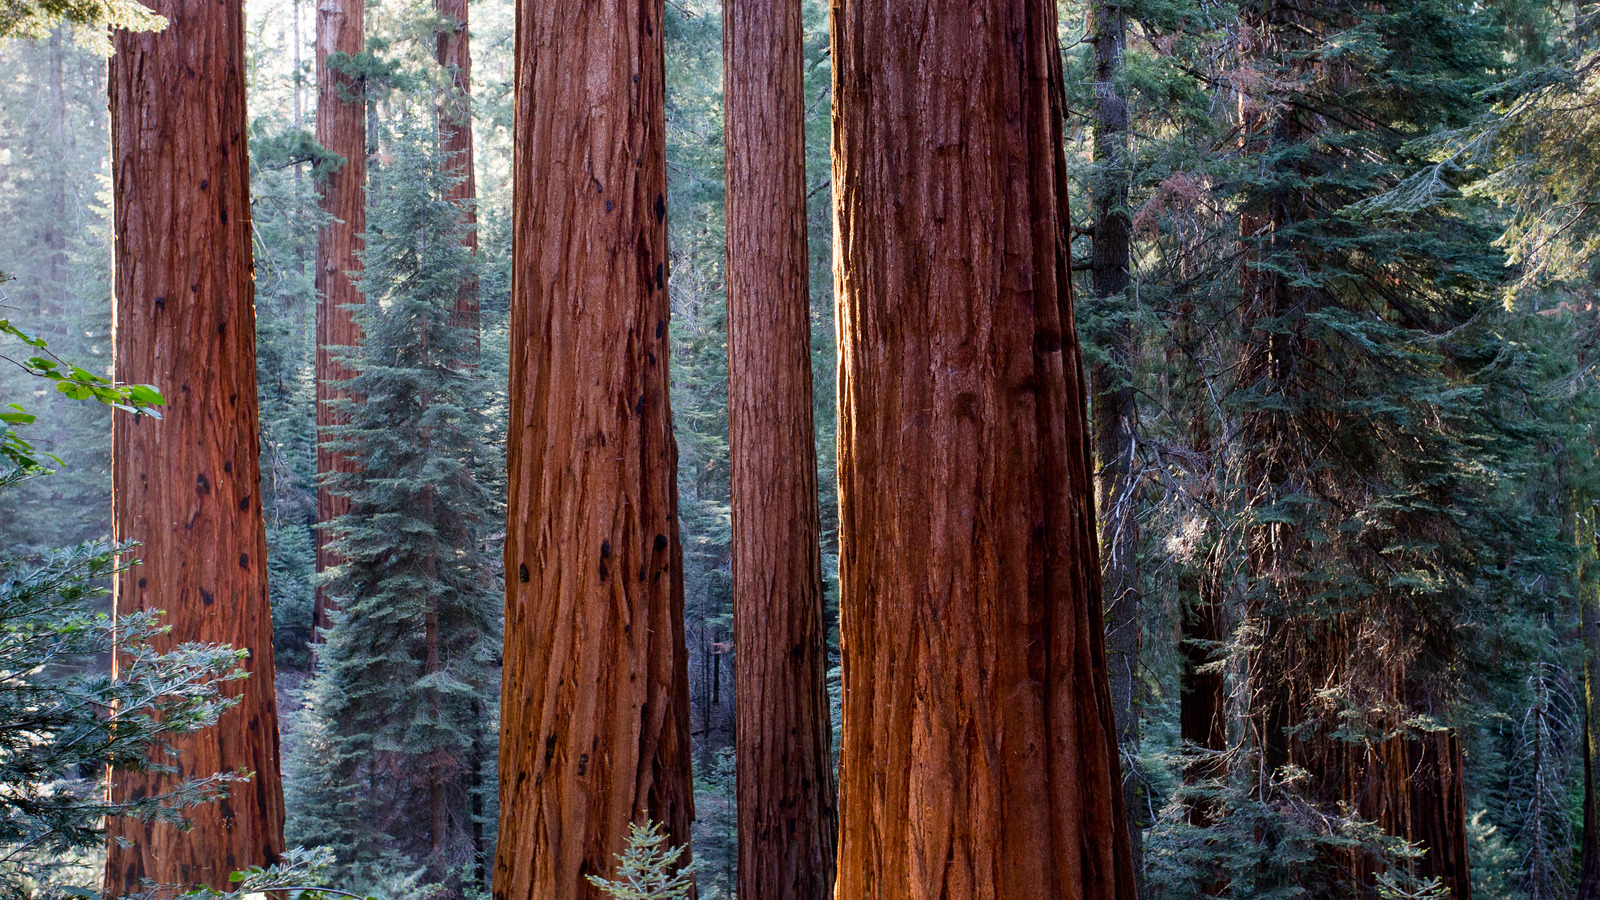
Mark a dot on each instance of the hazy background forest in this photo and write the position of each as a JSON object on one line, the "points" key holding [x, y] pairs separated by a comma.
{"points": [[1425, 225]]}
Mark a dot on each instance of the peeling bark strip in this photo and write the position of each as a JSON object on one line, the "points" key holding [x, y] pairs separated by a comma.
{"points": [[787, 818], [342, 129], [185, 486], [979, 750], [595, 709]]}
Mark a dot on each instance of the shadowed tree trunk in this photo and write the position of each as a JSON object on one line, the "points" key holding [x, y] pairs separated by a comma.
{"points": [[787, 819], [1202, 707], [1115, 414], [342, 129], [185, 486], [595, 696], [979, 751], [453, 51], [1589, 861]]}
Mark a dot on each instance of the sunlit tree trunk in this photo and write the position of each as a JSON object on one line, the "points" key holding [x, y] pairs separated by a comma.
{"points": [[342, 129], [185, 485], [979, 749], [787, 818], [595, 696]]}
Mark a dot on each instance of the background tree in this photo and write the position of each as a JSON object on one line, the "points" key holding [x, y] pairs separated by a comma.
{"points": [[1114, 412], [341, 130], [398, 695], [787, 819], [454, 53]]}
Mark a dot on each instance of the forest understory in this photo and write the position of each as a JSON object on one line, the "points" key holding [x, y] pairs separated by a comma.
{"points": [[923, 448]]}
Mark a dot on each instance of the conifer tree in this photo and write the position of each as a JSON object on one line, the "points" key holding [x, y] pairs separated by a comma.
{"points": [[1115, 414], [978, 755], [787, 820], [595, 706], [395, 710], [453, 51], [187, 486], [342, 131]]}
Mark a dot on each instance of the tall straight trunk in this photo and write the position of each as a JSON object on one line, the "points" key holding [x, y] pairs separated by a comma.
{"points": [[788, 821], [342, 129], [185, 485], [453, 51], [595, 688], [1115, 414], [979, 751]]}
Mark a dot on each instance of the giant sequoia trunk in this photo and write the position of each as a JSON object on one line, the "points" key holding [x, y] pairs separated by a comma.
{"points": [[787, 819], [453, 51], [342, 129], [595, 709], [979, 751], [186, 486]]}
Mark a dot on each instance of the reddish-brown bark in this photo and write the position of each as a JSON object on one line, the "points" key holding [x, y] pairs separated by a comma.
{"points": [[979, 749], [787, 818], [595, 712], [342, 129], [185, 486], [453, 50]]}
